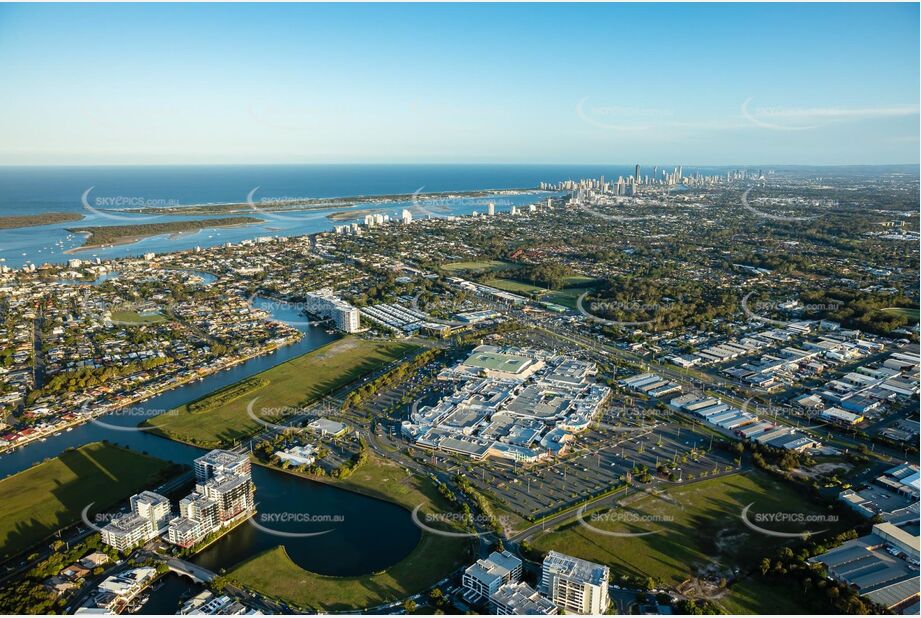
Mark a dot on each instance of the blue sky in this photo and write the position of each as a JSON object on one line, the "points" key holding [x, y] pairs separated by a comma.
{"points": [[542, 83]]}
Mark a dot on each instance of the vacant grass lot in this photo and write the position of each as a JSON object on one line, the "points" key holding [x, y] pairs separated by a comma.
{"points": [[133, 317], [573, 287], [274, 574], [48, 496], [758, 597], [292, 384], [479, 266], [702, 527], [908, 312], [514, 286]]}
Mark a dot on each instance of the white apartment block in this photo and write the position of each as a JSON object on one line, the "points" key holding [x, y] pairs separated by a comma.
{"points": [[153, 507], [324, 304], [220, 463], [520, 599], [576, 586], [127, 532], [485, 576]]}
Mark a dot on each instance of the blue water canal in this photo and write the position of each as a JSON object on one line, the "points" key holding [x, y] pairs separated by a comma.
{"points": [[368, 535]]}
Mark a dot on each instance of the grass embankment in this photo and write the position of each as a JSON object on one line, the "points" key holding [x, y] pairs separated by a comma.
{"points": [[51, 495], [274, 574], [117, 234], [702, 527], [292, 384]]}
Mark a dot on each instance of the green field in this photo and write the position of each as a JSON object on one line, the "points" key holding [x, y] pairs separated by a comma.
{"points": [[479, 266], [274, 574], [514, 286], [752, 596], [133, 317], [294, 383], [51, 495], [908, 312], [573, 287], [701, 528]]}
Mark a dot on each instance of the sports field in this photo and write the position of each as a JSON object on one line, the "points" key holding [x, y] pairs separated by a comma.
{"points": [[290, 385], [573, 287], [479, 266], [51, 495], [908, 312], [133, 317]]}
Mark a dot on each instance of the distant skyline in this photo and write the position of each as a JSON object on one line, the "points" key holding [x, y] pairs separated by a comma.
{"points": [[713, 84]]}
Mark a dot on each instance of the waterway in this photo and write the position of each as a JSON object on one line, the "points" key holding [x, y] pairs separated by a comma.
{"points": [[360, 534], [170, 592]]}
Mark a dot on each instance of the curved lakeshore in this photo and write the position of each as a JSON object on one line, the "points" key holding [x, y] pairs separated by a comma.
{"points": [[373, 534], [275, 574]]}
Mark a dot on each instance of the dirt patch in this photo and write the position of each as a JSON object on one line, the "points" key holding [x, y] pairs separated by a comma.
{"points": [[824, 468], [343, 345]]}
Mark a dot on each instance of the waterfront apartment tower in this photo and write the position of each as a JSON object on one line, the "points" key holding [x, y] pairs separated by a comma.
{"points": [[220, 463], [324, 304], [153, 507], [576, 586], [126, 532]]}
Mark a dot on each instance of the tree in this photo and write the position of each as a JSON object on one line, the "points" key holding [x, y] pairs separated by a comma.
{"points": [[409, 606]]}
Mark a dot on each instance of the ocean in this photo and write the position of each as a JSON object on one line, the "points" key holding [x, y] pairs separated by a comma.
{"points": [[33, 190]]}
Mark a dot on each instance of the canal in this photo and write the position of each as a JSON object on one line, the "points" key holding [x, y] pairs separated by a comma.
{"points": [[358, 534]]}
